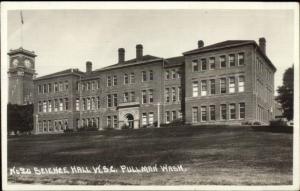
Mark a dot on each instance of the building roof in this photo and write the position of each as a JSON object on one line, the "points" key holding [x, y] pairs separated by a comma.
{"points": [[145, 59], [174, 61], [227, 44], [61, 73], [23, 51]]}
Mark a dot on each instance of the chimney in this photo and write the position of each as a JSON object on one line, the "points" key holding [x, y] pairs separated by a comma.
{"points": [[139, 52], [262, 44], [200, 43], [88, 67], [121, 55]]}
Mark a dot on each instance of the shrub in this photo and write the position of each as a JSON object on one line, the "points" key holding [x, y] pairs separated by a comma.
{"points": [[124, 126], [68, 130], [247, 123], [276, 123], [108, 127], [256, 123]]}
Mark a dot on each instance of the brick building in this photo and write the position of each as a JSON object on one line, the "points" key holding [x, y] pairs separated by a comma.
{"points": [[230, 82]]}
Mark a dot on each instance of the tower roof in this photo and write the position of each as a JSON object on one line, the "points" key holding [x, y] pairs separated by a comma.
{"points": [[21, 50]]}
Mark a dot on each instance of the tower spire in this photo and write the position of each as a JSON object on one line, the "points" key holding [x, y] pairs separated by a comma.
{"points": [[22, 23]]}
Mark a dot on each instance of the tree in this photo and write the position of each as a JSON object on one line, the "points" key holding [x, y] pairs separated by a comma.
{"points": [[286, 93]]}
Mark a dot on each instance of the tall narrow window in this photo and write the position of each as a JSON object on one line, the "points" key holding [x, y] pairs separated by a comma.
{"points": [[144, 119], [223, 85], [55, 87], [212, 63], [167, 74], [115, 121], [203, 64], [231, 84], [195, 65], [241, 83], [66, 104], [231, 60], [126, 80], [60, 87], [49, 106], [212, 87], [132, 78], [44, 106], [115, 80], [195, 89], [151, 75], [77, 104], [195, 115], [93, 103], [66, 85], [98, 102], [144, 76], [223, 61], [126, 97], [179, 93], [212, 112], [151, 118], [223, 112], [203, 113], [88, 103], [61, 104], [45, 88], [241, 59], [144, 97], [49, 88], [83, 104], [115, 100], [179, 114], [167, 95], [174, 74], [179, 73], [151, 96], [232, 111], [108, 80], [168, 117], [242, 110], [109, 100], [88, 85], [56, 104], [40, 89], [203, 87], [173, 94], [93, 85], [132, 96], [108, 121], [174, 116]]}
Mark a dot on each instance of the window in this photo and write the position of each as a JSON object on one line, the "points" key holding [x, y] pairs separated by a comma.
{"points": [[115, 121], [77, 86], [126, 79], [98, 102], [66, 104], [93, 103], [109, 101], [195, 65], [144, 97], [151, 75], [173, 94], [203, 113], [115, 80], [56, 105], [168, 117], [66, 85], [108, 121], [144, 76], [203, 64], [231, 60], [77, 104], [167, 95], [151, 96], [212, 63], [83, 86], [61, 104], [132, 78], [44, 106], [167, 75], [83, 104], [223, 85], [144, 119], [115, 100], [108, 80], [212, 87], [174, 74], [49, 88], [44, 126], [50, 125], [93, 85], [55, 87], [231, 84], [88, 103], [44, 88], [151, 118], [223, 112], [132, 96], [222, 61], [49, 106], [179, 93], [179, 114], [232, 111], [203, 87], [212, 110], [195, 114], [179, 73], [174, 115], [241, 83], [60, 87], [40, 89], [242, 110], [195, 89], [126, 97], [88, 85], [241, 59]]}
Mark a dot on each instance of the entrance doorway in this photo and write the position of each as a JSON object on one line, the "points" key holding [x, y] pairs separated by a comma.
{"points": [[130, 120]]}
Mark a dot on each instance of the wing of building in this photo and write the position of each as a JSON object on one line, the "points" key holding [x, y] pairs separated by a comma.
{"points": [[230, 82]]}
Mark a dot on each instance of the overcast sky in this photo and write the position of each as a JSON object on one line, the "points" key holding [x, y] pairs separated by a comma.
{"points": [[67, 39]]}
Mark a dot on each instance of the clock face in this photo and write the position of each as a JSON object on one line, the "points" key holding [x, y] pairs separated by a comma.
{"points": [[15, 62], [27, 63]]}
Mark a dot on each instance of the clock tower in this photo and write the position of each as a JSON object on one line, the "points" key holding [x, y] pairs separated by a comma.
{"points": [[21, 73]]}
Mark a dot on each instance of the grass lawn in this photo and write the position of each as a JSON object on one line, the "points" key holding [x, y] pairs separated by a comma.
{"points": [[210, 155]]}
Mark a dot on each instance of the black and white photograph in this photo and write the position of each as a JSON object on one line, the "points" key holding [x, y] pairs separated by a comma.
{"points": [[150, 96]]}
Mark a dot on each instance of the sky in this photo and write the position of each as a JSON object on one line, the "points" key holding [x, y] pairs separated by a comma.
{"points": [[65, 39]]}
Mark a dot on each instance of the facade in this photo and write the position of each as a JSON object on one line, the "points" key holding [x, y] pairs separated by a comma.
{"points": [[230, 82]]}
